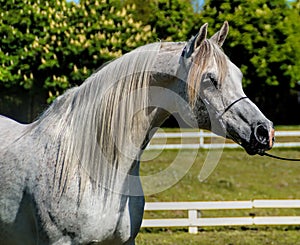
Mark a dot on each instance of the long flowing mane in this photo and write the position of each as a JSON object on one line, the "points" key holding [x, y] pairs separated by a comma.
{"points": [[91, 124]]}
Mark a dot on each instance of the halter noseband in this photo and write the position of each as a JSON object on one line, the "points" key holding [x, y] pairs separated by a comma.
{"points": [[233, 103], [219, 117]]}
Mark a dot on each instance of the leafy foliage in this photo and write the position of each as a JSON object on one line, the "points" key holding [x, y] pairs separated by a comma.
{"points": [[258, 37], [172, 20], [51, 45], [292, 43]]}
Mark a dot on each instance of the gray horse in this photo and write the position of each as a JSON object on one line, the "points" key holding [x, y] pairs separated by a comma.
{"points": [[72, 176]]}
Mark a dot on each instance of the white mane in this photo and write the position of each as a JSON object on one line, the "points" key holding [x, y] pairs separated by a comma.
{"points": [[92, 125]]}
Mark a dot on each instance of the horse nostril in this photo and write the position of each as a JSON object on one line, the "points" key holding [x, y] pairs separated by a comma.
{"points": [[261, 134]]}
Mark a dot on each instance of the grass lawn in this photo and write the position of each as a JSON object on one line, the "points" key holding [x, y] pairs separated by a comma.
{"points": [[261, 236], [237, 176]]}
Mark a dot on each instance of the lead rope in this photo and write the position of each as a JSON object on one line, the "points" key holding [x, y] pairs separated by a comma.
{"points": [[280, 158]]}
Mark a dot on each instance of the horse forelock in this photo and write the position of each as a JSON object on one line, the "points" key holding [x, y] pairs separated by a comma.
{"points": [[91, 122], [207, 55]]}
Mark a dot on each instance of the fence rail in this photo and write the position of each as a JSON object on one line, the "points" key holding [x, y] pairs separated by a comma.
{"points": [[195, 220], [202, 135]]}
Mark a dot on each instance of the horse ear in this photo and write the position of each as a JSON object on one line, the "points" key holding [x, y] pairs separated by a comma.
{"points": [[220, 36], [201, 36]]}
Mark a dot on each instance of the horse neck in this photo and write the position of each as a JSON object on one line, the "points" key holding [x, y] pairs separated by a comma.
{"points": [[103, 127], [108, 119]]}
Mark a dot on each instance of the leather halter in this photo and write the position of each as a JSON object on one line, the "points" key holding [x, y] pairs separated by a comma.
{"points": [[233, 103]]}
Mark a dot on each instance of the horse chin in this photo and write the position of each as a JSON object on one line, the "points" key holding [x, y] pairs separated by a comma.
{"points": [[251, 146], [252, 150]]}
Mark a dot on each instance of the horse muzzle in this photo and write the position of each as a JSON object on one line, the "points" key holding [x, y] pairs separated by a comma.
{"points": [[261, 139]]}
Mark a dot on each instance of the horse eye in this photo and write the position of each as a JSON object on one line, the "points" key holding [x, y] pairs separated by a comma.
{"points": [[213, 80]]}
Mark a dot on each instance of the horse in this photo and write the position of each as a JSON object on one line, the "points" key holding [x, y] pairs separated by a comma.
{"points": [[72, 176]]}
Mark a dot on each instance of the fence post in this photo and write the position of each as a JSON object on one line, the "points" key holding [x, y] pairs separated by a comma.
{"points": [[201, 138], [193, 215]]}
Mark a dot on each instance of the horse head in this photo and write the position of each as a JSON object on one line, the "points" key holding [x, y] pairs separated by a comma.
{"points": [[215, 94]]}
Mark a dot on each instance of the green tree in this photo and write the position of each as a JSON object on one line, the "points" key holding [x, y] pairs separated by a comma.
{"points": [[172, 20], [291, 28], [48, 46]]}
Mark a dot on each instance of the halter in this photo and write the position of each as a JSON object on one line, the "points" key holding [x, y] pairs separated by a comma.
{"points": [[233, 103], [263, 153], [219, 115]]}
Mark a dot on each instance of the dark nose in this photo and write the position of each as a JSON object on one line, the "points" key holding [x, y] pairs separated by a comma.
{"points": [[264, 136]]}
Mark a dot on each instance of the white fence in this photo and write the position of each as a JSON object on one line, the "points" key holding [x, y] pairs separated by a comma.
{"points": [[202, 135], [195, 220]]}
